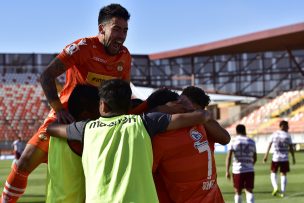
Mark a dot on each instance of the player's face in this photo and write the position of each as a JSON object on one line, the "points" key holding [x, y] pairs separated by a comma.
{"points": [[182, 105], [114, 34]]}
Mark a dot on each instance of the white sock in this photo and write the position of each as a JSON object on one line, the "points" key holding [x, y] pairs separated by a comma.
{"points": [[273, 178], [249, 197], [237, 198], [283, 183]]}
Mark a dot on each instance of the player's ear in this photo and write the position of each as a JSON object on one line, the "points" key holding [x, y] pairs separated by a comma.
{"points": [[101, 28], [103, 107]]}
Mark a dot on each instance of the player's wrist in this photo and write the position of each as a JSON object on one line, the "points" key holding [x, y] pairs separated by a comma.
{"points": [[57, 106]]}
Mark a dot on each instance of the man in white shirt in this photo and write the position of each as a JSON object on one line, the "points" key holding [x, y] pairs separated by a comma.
{"points": [[244, 151], [281, 141], [18, 146]]}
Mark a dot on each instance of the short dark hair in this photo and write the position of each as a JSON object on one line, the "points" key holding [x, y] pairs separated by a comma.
{"points": [[161, 97], [197, 96], [241, 129], [135, 102], [116, 93], [83, 98], [283, 123], [111, 11]]}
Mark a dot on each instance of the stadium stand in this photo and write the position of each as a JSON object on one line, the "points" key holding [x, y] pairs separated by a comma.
{"points": [[265, 119], [254, 65], [22, 104]]}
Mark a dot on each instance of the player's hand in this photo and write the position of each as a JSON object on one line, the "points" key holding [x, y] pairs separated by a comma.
{"points": [[186, 103], [206, 115], [265, 160], [64, 117], [182, 105], [228, 175]]}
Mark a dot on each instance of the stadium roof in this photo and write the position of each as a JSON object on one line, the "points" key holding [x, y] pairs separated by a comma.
{"points": [[144, 92], [282, 38]]}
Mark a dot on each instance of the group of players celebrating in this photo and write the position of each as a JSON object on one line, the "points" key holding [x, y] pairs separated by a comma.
{"points": [[102, 146]]}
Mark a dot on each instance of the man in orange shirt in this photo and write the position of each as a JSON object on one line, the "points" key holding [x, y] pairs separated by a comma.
{"points": [[91, 61], [184, 166]]}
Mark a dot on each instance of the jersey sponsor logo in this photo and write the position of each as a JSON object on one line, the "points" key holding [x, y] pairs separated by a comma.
{"points": [[96, 79], [201, 146], [195, 135], [119, 67], [43, 137], [99, 124], [95, 58], [82, 42], [207, 185], [71, 49]]}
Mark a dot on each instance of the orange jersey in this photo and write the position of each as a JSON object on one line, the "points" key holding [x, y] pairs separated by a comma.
{"points": [[184, 165], [87, 63]]}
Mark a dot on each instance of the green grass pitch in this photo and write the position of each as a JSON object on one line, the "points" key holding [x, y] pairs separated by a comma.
{"points": [[35, 192]]}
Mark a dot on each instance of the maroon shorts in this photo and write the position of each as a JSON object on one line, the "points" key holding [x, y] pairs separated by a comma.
{"points": [[283, 165], [243, 181], [17, 155]]}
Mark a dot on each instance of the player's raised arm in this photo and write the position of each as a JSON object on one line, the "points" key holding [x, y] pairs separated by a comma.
{"points": [[188, 119], [216, 132]]}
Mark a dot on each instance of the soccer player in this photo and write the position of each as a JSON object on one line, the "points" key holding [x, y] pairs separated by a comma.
{"points": [[184, 166], [90, 60], [281, 141], [243, 150], [117, 152], [18, 146], [65, 174]]}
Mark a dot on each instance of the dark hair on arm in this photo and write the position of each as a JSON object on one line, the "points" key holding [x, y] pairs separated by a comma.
{"points": [[83, 98], [161, 97], [135, 102], [111, 11]]}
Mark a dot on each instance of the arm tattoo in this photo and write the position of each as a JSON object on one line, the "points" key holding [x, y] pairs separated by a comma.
{"points": [[47, 80]]}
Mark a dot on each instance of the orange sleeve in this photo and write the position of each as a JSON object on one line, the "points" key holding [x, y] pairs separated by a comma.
{"points": [[74, 53]]}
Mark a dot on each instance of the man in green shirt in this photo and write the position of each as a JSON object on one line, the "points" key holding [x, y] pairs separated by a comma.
{"points": [[117, 152], [65, 182]]}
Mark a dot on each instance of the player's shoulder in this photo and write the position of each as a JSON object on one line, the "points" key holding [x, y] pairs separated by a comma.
{"points": [[276, 133], [250, 140], [124, 51]]}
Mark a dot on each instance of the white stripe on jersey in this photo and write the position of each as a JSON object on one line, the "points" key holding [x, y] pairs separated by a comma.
{"points": [[243, 149]]}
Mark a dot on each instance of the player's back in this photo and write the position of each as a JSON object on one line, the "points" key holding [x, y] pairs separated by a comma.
{"points": [[244, 149], [184, 163], [281, 141]]}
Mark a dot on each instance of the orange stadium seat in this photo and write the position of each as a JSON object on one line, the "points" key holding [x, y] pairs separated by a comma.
{"points": [[22, 105], [266, 118]]}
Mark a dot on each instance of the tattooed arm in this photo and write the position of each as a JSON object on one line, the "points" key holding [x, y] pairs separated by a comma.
{"points": [[47, 80]]}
